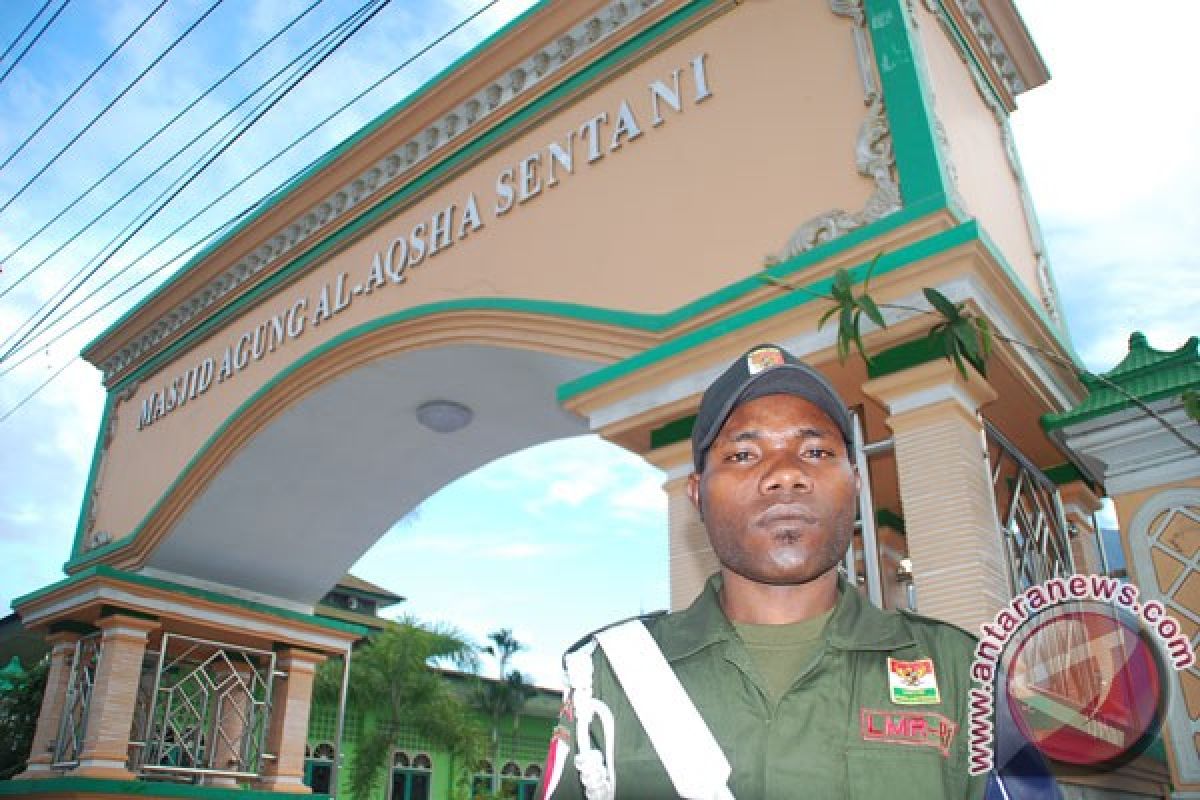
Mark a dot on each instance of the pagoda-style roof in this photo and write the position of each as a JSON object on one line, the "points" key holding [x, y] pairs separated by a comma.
{"points": [[1145, 373], [353, 584]]}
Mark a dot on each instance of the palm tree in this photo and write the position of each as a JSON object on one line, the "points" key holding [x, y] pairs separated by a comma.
{"points": [[392, 683], [504, 696]]}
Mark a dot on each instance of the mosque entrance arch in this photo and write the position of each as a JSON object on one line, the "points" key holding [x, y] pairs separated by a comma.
{"points": [[565, 232]]}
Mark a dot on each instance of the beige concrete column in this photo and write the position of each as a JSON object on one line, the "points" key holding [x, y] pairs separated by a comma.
{"points": [[287, 731], [949, 510], [45, 736], [105, 751], [1079, 504], [691, 558]]}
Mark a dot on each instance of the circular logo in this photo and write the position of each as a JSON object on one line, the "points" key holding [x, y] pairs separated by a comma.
{"points": [[1086, 685]]}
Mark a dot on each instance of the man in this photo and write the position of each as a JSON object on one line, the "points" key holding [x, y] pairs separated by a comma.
{"points": [[779, 681]]}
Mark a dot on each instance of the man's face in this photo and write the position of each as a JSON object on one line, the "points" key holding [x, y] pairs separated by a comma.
{"points": [[778, 491]]}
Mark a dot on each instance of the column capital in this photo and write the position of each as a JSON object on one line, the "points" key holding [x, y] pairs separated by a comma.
{"points": [[934, 383], [1079, 495], [295, 659], [131, 625]]}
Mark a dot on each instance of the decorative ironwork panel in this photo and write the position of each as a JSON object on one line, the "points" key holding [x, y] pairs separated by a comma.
{"points": [[1031, 520], [211, 703], [73, 725]]}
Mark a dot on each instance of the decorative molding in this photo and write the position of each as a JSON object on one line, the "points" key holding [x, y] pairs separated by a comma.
{"points": [[1001, 59], [451, 127], [91, 537], [873, 155], [875, 160]]}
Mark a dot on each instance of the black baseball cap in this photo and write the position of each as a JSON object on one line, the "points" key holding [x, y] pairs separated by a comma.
{"points": [[760, 371]]}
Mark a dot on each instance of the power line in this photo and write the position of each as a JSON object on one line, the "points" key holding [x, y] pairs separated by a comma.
{"points": [[25, 30], [245, 212], [32, 394], [33, 346], [313, 58], [164, 164], [34, 40], [108, 107], [80, 87], [358, 26], [146, 143]]}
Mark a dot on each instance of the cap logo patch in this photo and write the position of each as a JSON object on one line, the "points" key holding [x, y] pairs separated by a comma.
{"points": [[762, 359]]}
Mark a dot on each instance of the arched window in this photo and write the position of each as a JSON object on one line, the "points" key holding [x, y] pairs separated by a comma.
{"points": [[481, 781], [318, 767], [528, 788], [411, 776]]}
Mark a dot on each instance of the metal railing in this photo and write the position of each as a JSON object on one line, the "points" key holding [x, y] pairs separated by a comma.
{"points": [[209, 705], [1031, 520], [73, 724]]}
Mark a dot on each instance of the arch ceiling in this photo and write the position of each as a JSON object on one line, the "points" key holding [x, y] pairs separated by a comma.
{"points": [[311, 492]]}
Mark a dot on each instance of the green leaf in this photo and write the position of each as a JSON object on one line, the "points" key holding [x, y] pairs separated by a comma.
{"points": [[868, 305], [842, 281], [846, 333], [985, 337], [825, 317], [1191, 404], [858, 342], [964, 331], [943, 305], [870, 270]]}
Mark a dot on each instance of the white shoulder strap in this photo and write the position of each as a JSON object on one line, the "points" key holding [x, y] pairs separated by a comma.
{"points": [[685, 746]]}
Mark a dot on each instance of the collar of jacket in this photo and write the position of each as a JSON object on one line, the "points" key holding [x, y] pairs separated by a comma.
{"points": [[854, 625]]}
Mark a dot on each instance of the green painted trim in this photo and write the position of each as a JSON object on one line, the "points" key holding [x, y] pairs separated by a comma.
{"points": [[886, 518], [908, 102], [676, 431], [433, 173], [912, 353], [93, 474], [785, 302], [70, 785], [1067, 473], [112, 573]]}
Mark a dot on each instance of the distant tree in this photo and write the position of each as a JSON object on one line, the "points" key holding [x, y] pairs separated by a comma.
{"points": [[504, 696], [20, 704], [393, 683]]}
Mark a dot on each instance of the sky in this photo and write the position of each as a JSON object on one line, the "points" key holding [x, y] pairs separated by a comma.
{"points": [[1108, 148]]}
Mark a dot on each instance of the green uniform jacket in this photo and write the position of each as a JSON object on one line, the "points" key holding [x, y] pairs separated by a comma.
{"points": [[837, 733]]}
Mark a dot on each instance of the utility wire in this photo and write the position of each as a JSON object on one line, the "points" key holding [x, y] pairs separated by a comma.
{"points": [[34, 346], [358, 26], [108, 107], [245, 212], [34, 40], [80, 87], [31, 395], [164, 164], [150, 208], [32, 351], [25, 30], [306, 54]]}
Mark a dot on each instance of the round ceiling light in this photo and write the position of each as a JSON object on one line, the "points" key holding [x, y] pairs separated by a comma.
{"points": [[444, 416]]}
